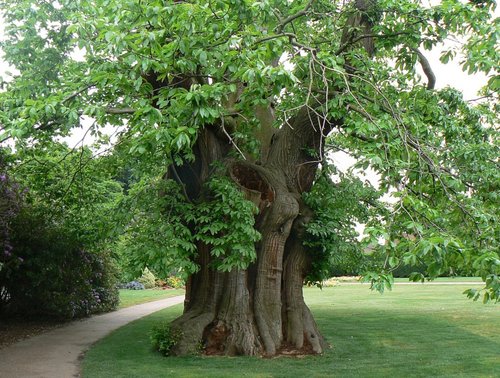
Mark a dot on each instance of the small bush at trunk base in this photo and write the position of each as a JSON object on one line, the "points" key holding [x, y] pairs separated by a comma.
{"points": [[164, 338]]}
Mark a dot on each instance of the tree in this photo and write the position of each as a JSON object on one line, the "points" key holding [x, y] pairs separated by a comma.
{"points": [[55, 206], [240, 103]]}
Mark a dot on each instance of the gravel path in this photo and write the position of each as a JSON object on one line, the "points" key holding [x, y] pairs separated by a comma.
{"points": [[56, 354]]}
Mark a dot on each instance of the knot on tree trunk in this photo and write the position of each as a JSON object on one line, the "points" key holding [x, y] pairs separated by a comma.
{"points": [[214, 338], [255, 187], [306, 173]]}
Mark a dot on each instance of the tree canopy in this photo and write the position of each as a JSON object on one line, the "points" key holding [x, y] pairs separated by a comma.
{"points": [[280, 86]]}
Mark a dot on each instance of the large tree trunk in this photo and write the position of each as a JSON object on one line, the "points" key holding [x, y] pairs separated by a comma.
{"points": [[260, 310]]}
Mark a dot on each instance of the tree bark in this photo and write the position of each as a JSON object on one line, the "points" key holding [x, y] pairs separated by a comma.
{"points": [[260, 310]]}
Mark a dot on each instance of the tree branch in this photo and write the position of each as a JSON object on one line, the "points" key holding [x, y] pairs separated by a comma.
{"points": [[426, 67], [72, 96], [112, 110], [292, 39], [271, 37], [342, 48], [231, 140], [293, 17]]}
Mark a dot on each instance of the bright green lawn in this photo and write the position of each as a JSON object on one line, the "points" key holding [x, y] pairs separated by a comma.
{"points": [[413, 331], [134, 297], [446, 279]]}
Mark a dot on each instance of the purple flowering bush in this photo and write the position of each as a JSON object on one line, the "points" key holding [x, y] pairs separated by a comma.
{"points": [[132, 285], [56, 277], [9, 207], [44, 268]]}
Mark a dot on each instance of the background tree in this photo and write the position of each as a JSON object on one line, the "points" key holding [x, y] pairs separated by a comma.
{"points": [[240, 102]]}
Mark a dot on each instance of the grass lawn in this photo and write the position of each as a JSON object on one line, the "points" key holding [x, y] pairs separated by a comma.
{"points": [[413, 331], [134, 297], [446, 279]]}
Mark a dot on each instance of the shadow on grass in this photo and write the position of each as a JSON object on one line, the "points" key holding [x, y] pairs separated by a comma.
{"points": [[365, 343], [383, 344]]}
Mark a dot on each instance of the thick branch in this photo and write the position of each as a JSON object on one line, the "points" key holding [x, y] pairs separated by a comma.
{"points": [[358, 22], [344, 47], [426, 67], [112, 110]]}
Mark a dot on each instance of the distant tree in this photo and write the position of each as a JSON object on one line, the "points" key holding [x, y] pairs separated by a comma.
{"points": [[241, 103]]}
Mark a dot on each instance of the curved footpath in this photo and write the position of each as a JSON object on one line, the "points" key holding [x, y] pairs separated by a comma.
{"points": [[56, 354]]}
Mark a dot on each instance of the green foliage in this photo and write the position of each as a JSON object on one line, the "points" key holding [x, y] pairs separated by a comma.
{"points": [[54, 275], [226, 222], [490, 292], [148, 279], [10, 204], [379, 281], [331, 237], [175, 282], [57, 263], [161, 231], [434, 151], [70, 186], [152, 230], [164, 338]]}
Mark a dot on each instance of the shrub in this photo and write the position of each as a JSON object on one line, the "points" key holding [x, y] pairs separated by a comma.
{"points": [[175, 282], [53, 274], [9, 207], [148, 279], [51, 235], [160, 283], [164, 338], [134, 285]]}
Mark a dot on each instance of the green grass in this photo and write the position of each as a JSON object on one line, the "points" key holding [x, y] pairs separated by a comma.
{"points": [[135, 297], [446, 279], [413, 331], [458, 279], [353, 279]]}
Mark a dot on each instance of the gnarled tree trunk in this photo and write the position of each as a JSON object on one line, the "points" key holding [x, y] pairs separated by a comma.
{"points": [[260, 310]]}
